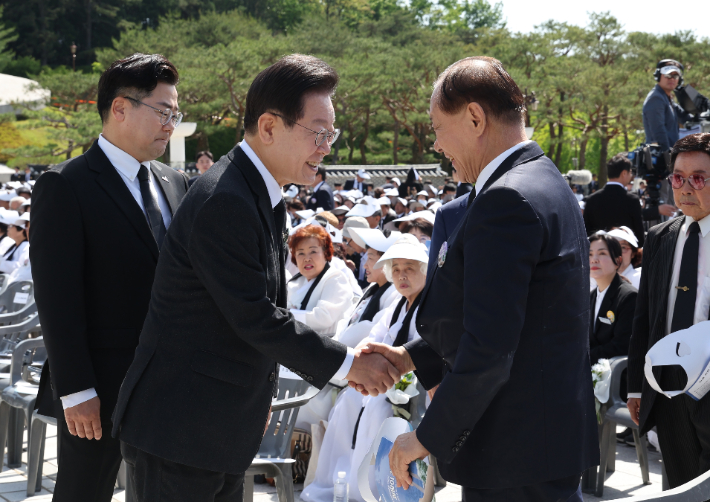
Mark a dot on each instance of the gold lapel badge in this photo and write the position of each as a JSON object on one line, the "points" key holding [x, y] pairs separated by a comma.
{"points": [[684, 288], [610, 315]]}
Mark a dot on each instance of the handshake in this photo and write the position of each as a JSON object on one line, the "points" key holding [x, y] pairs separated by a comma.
{"points": [[377, 367]]}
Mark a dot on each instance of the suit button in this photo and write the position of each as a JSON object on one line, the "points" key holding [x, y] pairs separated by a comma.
{"points": [[455, 449], [272, 377], [466, 433], [310, 379], [462, 438], [459, 443]]}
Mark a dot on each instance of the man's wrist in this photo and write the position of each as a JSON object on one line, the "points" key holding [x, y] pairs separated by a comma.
{"points": [[77, 398]]}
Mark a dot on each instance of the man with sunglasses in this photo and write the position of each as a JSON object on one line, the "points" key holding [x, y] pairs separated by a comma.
{"points": [[674, 294], [98, 223]]}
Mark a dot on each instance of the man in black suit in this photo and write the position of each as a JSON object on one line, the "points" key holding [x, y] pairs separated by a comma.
{"points": [[447, 219], [359, 182], [322, 195], [504, 319], [613, 206], [98, 222], [673, 295], [462, 188], [195, 402]]}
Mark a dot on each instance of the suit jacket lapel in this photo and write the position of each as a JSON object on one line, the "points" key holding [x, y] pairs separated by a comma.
{"points": [[524, 154], [258, 187], [112, 183], [666, 252], [606, 301], [168, 191]]}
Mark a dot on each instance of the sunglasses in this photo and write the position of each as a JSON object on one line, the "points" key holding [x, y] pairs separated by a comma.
{"points": [[696, 181]]}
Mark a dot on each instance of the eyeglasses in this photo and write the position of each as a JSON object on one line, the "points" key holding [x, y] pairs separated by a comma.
{"points": [[673, 76], [320, 135], [166, 115], [696, 181]]}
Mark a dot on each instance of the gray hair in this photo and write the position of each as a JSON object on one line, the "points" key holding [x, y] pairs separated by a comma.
{"points": [[387, 268]]}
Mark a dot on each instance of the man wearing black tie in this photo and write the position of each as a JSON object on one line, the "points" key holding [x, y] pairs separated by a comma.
{"points": [[98, 223], [195, 402], [359, 182], [674, 294]]}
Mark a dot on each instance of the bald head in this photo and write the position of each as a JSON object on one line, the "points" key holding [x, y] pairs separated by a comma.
{"points": [[481, 80]]}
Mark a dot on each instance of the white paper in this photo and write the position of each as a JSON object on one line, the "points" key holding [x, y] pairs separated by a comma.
{"points": [[688, 348], [21, 298]]}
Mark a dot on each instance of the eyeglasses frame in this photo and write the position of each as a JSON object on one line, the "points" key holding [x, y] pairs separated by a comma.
{"points": [[686, 180], [177, 116], [328, 134]]}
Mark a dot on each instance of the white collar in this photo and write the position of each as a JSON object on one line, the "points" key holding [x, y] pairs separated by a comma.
{"points": [[704, 225], [122, 161], [272, 186], [615, 183], [495, 163], [318, 186]]}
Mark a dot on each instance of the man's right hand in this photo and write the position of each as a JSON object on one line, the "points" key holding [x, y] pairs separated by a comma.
{"points": [[634, 406], [667, 209], [84, 419], [373, 372], [398, 356]]}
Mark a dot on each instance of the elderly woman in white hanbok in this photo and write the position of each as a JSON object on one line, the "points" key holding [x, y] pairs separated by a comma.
{"points": [[319, 296], [355, 419]]}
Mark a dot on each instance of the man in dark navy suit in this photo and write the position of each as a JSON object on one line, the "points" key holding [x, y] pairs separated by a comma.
{"points": [[322, 195], [504, 317], [447, 218]]}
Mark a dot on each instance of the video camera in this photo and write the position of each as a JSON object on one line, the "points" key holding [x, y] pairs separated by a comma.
{"points": [[698, 105], [653, 166]]}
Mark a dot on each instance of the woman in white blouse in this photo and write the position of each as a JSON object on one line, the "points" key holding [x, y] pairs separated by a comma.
{"points": [[18, 254], [629, 254], [355, 419]]}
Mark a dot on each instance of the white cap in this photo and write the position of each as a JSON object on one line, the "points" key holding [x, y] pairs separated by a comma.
{"points": [[427, 215], [626, 234], [291, 192], [354, 222], [14, 184], [7, 196], [424, 193], [353, 194], [384, 201], [406, 247], [670, 69], [415, 202], [434, 207], [403, 201], [363, 174], [431, 201], [306, 213], [374, 238], [396, 180], [27, 202], [392, 192], [340, 210], [9, 217], [25, 216], [364, 209]]}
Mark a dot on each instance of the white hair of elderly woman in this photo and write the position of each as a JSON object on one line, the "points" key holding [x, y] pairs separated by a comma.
{"points": [[407, 239]]}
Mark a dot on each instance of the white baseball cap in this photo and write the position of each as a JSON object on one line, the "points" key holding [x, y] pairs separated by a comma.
{"points": [[9, 217], [383, 201], [365, 208], [666, 70], [354, 222], [406, 247], [626, 234], [363, 174], [392, 192], [427, 215], [374, 238], [7, 196]]}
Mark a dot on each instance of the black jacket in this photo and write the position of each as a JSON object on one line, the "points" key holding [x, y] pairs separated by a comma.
{"points": [[650, 318], [93, 261], [613, 206], [447, 219], [350, 184], [508, 321], [462, 189], [199, 390], [610, 340], [323, 197]]}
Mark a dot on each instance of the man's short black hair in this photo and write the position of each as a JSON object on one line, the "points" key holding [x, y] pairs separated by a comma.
{"points": [[618, 164], [448, 188], [136, 76], [282, 86], [321, 171], [699, 142]]}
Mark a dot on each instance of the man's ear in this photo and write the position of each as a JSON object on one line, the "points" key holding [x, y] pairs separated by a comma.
{"points": [[267, 124], [118, 108], [477, 117]]}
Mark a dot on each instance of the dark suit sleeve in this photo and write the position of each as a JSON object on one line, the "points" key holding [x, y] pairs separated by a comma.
{"points": [[57, 257], [493, 316], [438, 236], [619, 343], [429, 365], [224, 251], [325, 199], [638, 346]]}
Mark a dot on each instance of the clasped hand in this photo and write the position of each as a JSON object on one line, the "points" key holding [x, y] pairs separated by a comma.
{"points": [[395, 360]]}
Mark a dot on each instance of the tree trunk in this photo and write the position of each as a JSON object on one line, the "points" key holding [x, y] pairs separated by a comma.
{"points": [[395, 143], [89, 7], [626, 139], [553, 137], [560, 135], [238, 134], [583, 151], [604, 151], [203, 142], [363, 139]]}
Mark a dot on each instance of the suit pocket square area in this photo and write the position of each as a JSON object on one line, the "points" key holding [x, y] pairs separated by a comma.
{"points": [[604, 320]]}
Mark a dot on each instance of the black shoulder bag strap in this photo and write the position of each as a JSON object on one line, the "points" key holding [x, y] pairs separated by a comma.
{"points": [[307, 298], [374, 306]]}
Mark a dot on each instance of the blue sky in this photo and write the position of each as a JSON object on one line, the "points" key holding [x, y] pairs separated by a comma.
{"points": [[652, 16]]}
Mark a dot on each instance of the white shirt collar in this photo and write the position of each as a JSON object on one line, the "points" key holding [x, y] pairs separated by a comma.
{"points": [[615, 183], [704, 225], [271, 184], [318, 186], [122, 161], [494, 164]]}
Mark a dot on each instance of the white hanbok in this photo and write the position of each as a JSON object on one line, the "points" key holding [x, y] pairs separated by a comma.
{"points": [[352, 329], [328, 304], [337, 452], [15, 257]]}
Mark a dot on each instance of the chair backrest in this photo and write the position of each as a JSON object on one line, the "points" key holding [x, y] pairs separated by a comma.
{"points": [[618, 365], [3, 282], [19, 359], [277, 440], [16, 317], [16, 296], [10, 335]]}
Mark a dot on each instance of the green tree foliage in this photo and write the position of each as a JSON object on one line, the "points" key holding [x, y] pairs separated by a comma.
{"points": [[7, 36]]}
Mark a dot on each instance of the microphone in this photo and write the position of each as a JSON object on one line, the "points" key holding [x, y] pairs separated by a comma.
{"points": [[582, 177]]}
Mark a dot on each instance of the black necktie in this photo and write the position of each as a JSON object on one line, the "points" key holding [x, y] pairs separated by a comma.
{"points": [[280, 235], [152, 209], [687, 286], [471, 196]]}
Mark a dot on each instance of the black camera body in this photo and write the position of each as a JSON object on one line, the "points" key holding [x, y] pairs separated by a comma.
{"points": [[653, 166], [696, 104]]}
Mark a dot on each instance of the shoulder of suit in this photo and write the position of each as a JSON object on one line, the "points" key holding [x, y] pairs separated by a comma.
{"points": [[168, 171], [662, 228], [75, 165], [626, 289]]}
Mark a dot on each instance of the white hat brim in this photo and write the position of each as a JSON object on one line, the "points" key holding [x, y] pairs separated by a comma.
{"points": [[405, 252]]}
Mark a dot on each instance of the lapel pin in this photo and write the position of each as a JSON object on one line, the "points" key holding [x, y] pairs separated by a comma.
{"points": [[610, 315], [165, 179], [442, 254], [684, 288]]}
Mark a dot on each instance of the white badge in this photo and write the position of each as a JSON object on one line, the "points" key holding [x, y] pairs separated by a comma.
{"points": [[442, 254]]}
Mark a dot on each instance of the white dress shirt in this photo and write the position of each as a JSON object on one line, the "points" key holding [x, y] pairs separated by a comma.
{"points": [[127, 168], [615, 183], [702, 300], [494, 164], [598, 304], [275, 195]]}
